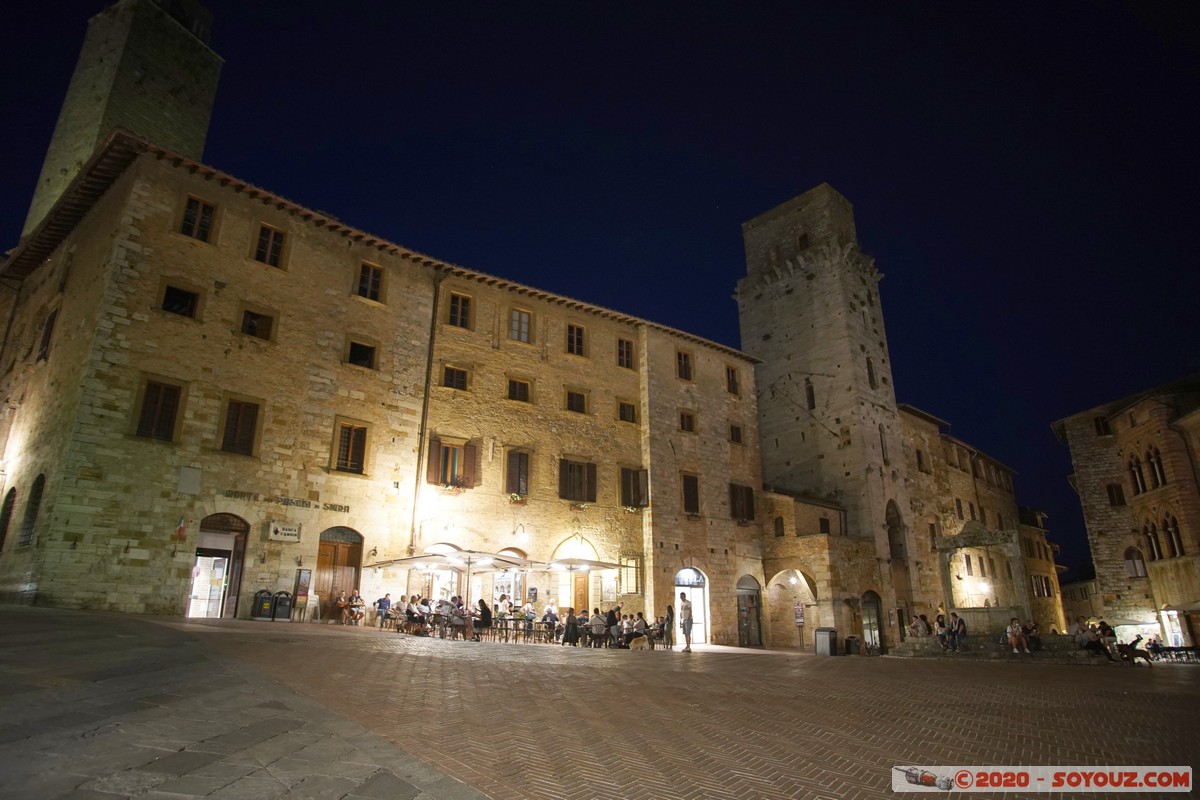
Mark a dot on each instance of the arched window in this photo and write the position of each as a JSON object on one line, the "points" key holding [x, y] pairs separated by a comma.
{"points": [[1135, 565], [871, 373], [1153, 547], [31, 511], [6, 512], [1157, 476], [1174, 540], [778, 526], [1135, 475]]}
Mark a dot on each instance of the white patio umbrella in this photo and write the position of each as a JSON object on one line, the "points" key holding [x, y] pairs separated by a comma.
{"points": [[580, 564]]}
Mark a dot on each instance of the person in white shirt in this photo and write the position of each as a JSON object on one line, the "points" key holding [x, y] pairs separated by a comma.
{"points": [[685, 621]]}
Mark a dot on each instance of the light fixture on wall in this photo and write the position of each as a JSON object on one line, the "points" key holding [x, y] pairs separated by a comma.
{"points": [[374, 551]]}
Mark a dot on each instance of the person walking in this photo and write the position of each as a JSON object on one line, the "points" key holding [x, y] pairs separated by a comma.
{"points": [[669, 628], [685, 621]]}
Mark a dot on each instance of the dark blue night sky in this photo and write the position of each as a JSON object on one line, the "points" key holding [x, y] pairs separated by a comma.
{"points": [[1024, 174]]}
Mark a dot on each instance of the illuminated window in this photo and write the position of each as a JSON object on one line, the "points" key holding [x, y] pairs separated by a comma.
{"points": [[451, 463]]}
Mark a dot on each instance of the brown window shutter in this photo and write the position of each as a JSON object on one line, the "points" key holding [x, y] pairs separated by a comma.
{"points": [[433, 464], [468, 466], [591, 483], [562, 479], [643, 487]]}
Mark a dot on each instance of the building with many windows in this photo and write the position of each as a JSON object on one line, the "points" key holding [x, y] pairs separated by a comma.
{"points": [[212, 391], [1134, 465]]}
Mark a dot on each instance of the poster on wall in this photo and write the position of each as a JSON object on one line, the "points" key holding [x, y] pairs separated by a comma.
{"points": [[300, 594], [799, 613]]}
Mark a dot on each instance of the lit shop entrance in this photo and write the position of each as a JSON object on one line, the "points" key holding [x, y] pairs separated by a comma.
{"points": [[217, 569], [691, 582]]}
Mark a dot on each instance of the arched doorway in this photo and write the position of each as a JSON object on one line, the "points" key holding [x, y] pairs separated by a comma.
{"points": [[792, 610], [749, 613], [872, 621], [339, 559], [574, 587], [691, 582], [217, 567]]}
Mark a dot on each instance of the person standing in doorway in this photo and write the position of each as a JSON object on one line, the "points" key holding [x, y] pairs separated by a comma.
{"points": [[669, 628], [685, 621]]}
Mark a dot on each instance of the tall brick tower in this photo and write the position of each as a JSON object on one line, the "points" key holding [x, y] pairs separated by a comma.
{"points": [[809, 309], [146, 67]]}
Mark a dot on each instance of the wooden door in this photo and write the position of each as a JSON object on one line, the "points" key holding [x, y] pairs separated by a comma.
{"points": [[337, 571], [581, 592]]}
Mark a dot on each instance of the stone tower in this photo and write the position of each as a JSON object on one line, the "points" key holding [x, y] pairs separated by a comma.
{"points": [[146, 67], [809, 309]]}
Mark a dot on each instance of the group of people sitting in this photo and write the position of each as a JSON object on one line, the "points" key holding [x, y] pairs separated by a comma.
{"points": [[951, 634], [1099, 639], [350, 610]]}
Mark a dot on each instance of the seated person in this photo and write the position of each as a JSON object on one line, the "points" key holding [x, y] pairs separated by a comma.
{"points": [[637, 627], [1016, 636], [1033, 635], [1096, 647], [358, 607], [342, 605]]}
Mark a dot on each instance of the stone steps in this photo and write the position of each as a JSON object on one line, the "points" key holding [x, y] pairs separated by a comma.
{"points": [[1055, 650]]}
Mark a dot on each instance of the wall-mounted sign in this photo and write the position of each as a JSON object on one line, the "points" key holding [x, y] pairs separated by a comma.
{"points": [[280, 500], [284, 532], [799, 613]]}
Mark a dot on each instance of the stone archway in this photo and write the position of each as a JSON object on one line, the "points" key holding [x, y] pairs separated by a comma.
{"points": [[793, 610], [749, 608]]}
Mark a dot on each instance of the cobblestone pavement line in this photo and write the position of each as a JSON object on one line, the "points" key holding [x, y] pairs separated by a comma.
{"points": [[543, 721], [105, 706]]}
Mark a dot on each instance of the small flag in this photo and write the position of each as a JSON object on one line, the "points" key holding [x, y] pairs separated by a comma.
{"points": [[181, 529]]}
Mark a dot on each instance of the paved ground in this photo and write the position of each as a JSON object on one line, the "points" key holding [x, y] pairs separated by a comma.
{"points": [[532, 721]]}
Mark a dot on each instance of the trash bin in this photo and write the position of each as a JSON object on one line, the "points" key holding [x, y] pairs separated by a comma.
{"points": [[826, 641], [262, 605], [282, 607], [852, 646]]}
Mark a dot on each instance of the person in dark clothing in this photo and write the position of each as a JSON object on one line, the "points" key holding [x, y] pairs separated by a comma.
{"points": [[483, 619]]}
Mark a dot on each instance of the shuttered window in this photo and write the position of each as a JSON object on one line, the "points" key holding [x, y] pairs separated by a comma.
{"points": [[635, 488], [451, 464], [576, 481], [241, 423], [160, 405]]}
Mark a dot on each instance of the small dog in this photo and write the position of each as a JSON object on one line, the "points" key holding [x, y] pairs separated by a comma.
{"points": [[639, 643], [1131, 652]]}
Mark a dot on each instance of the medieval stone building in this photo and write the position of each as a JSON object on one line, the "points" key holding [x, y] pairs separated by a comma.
{"points": [[211, 390], [1134, 463]]}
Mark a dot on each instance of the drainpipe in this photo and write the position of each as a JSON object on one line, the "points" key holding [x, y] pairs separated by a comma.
{"points": [[438, 277]]}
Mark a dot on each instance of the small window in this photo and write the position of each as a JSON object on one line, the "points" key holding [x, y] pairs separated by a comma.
{"points": [[741, 503], [180, 301], [631, 574], [159, 411], [690, 485], [269, 249], [577, 402], [197, 219], [733, 383], [625, 353], [810, 394], [1102, 427], [520, 325], [778, 524], [971, 508], [626, 412], [683, 365], [982, 567], [1135, 564], [1116, 494], [517, 390], [361, 354], [351, 448], [687, 421], [47, 334], [575, 340], [735, 434], [635, 488], [258, 325], [460, 311], [967, 563], [576, 481], [871, 373], [516, 475], [370, 282], [32, 506], [959, 508], [823, 525], [241, 427], [454, 378], [452, 464]]}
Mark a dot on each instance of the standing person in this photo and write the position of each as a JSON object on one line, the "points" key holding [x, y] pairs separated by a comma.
{"points": [[382, 606], [571, 629], [685, 621], [669, 628], [614, 625]]}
